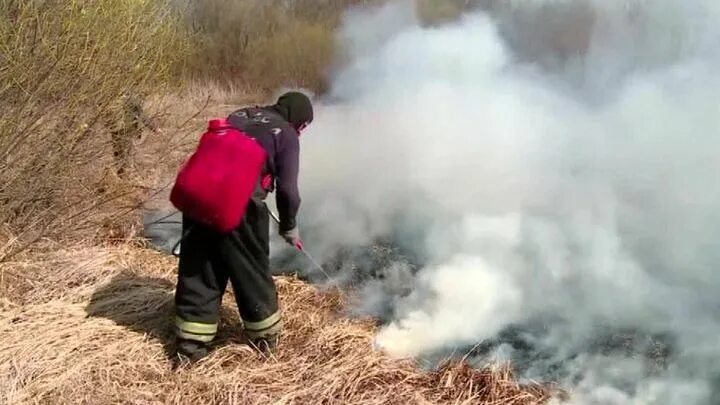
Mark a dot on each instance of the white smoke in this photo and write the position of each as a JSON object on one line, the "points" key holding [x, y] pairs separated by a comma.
{"points": [[558, 171]]}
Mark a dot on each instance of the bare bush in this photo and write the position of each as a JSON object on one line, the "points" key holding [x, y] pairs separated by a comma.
{"points": [[266, 43], [434, 12], [64, 67]]}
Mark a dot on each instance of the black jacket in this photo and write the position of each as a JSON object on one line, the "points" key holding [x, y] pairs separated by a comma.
{"points": [[282, 143]]}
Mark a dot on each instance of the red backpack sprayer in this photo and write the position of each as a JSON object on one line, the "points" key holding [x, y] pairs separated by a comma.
{"points": [[215, 185]]}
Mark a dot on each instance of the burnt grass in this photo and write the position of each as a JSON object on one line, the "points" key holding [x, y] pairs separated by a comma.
{"points": [[524, 346]]}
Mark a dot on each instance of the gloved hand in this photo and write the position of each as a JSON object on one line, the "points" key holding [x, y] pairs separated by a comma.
{"points": [[292, 237]]}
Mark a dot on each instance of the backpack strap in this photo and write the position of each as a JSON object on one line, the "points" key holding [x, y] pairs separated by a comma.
{"points": [[253, 117], [250, 117]]}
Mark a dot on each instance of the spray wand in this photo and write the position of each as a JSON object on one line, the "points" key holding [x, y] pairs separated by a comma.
{"points": [[301, 247]]}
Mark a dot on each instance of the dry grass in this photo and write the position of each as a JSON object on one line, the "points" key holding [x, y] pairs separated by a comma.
{"points": [[92, 325]]}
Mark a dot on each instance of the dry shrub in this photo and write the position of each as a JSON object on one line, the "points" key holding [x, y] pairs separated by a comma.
{"points": [[266, 44], [297, 56], [99, 331], [64, 66], [437, 12]]}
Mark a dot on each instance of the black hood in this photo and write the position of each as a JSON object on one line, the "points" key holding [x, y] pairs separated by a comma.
{"points": [[296, 108]]}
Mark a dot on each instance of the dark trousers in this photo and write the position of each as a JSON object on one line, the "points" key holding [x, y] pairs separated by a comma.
{"points": [[209, 259]]}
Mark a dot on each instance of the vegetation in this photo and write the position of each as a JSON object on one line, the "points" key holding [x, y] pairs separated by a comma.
{"points": [[95, 330], [434, 12], [84, 307], [63, 66], [265, 43]]}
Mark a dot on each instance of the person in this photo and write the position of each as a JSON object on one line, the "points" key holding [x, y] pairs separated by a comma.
{"points": [[209, 260], [126, 120]]}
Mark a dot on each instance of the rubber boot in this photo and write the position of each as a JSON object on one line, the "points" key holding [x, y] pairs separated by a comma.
{"points": [[190, 351], [266, 344]]}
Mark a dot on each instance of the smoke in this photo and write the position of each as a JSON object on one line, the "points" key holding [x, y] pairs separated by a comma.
{"points": [[548, 170]]}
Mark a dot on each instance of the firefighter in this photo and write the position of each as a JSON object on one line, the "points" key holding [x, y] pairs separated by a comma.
{"points": [[126, 122], [209, 260]]}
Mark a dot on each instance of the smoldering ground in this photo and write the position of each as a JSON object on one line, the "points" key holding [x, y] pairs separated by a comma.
{"points": [[547, 168], [534, 182]]}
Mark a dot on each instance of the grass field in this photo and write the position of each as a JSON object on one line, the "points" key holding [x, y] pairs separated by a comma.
{"points": [[86, 304]]}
